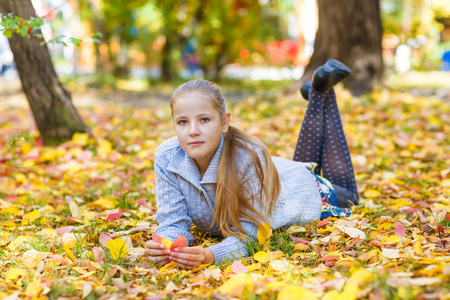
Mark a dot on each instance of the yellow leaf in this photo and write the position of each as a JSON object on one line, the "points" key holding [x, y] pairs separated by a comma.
{"points": [[371, 194], [33, 288], [69, 253], [26, 148], [264, 257], [293, 292], [418, 247], [264, 233], [275, 285], [104, 147], [261, 256], [238, 280], [48, 232], [74, 210], [392, 239], [32, 257], [332, 295], [118, 248], [69, 239], [279, 265], [167, 243], [350, 291], [9, 225], [361, 275], [102, 203], [14, 276], [168, 267], [28, 163], [16, 243], [30, 217], [301, 247], [80, 139]]}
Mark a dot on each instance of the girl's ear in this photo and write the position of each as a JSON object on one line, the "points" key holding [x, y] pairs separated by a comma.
{"points": [[226, 122]]}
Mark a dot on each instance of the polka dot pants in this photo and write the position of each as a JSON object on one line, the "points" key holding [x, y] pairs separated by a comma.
{"points": [[322, 140]]}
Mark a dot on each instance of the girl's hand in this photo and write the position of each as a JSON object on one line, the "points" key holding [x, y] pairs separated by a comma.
{"points": [[157, 253], [191, 257]]}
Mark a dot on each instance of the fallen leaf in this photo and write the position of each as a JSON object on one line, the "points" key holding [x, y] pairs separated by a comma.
{"points": [[118, 248], [238, 267], [103, 239], [418, 247], [323, 222], [390, 253], [264, 233], [399, 229], [291, 292], [352, 232], [114, 216], [31, 258], [235, 281], [87, 289]]}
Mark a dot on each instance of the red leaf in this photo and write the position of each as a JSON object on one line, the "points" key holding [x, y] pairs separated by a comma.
{"points": [[144, 203], [114, 216], [399, 229], [238, 267], [422, 203], [103, 238], [180, 242], [11, 198], [299, 240], [323, 222], [156, 237]]}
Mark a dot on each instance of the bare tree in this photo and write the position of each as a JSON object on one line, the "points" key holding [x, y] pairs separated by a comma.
{"points": [[49, 99]]}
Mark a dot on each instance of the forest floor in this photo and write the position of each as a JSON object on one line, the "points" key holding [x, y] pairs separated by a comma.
{"points": [[74, 218]]}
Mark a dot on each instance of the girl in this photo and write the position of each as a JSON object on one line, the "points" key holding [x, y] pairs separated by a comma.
{"points": [[225, 182]]}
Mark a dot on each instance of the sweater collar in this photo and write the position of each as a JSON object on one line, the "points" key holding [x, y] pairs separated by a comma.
{"points": [[183, 165]]}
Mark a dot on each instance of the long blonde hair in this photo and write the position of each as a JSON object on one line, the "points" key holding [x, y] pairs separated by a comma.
{"points": [[234, 198]]}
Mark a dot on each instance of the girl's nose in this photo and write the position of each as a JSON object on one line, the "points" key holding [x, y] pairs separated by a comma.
{"points": [[193, 130]]}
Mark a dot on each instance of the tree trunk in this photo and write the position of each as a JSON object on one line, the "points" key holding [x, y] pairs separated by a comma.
{"points": [[50, 100], [97, 25], [350, 31]]}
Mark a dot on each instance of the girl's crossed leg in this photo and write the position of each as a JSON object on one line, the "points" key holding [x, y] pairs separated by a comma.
{"points": [[322, 141]]}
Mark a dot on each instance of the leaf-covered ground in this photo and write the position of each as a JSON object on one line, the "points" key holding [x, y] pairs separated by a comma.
{"points": [[74, 219]]}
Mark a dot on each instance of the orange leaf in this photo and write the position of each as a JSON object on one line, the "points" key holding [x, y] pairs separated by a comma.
{"points": [[329, 258], [323, 222], [180, 242]]}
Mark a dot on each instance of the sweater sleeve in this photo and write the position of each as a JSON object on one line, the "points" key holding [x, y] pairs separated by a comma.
{"points": [[172, 211]]}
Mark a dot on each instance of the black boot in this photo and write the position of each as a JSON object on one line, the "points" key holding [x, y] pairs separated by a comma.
{"points": [[327, 75], [304, 90]]}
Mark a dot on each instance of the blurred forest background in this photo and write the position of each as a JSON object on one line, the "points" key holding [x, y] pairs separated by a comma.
{"points": [[116, 49]]}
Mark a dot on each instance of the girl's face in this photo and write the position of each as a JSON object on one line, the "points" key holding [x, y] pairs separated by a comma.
{"points": [[199, 127]]}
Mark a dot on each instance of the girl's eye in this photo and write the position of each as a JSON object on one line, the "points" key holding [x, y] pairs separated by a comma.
{"points": [[204, 120], [182, 122]]}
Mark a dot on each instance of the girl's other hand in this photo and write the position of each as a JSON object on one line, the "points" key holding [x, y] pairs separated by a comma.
{"points": [[191, 257], [156, 253]]}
